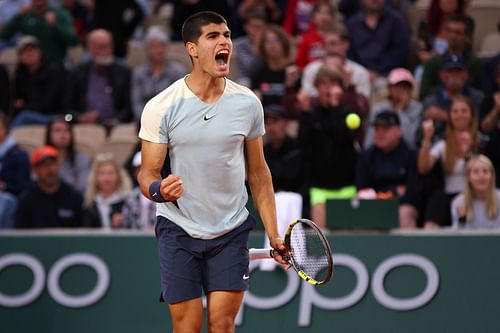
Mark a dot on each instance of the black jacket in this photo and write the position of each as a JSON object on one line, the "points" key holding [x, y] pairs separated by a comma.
{"points": [[41, 90], [329, 147], [119, 79], [37, 209]]}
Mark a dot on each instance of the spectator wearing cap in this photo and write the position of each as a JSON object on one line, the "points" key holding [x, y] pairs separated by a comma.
{"points": [[138, 212], [382, 38], [14, 162], [160, 72], [50, 203], [52, 26], [329, 147], [38, 86], [453, 76], [457, 35], [400, 83], [99, 89], [284, 158], [389, 165]]}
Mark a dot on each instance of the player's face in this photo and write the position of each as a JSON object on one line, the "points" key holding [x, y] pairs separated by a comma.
{"points": [[480, 176], [213, 50]]}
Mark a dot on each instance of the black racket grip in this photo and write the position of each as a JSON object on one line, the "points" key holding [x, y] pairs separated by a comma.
{"points": [[281, 253]]}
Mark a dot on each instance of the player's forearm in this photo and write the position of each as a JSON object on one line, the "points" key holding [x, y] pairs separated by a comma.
{"points": [[145, 178], [263, 196]]}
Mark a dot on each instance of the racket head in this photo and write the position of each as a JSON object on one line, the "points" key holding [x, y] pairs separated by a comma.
{"points": [[309, 252]]}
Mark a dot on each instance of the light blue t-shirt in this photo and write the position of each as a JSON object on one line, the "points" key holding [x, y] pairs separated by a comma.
{"points": [[206, 149]]}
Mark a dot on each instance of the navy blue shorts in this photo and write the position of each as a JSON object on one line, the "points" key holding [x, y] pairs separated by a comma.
{"points": [[189, 265]]}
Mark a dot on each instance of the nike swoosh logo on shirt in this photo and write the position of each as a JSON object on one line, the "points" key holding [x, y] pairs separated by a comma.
{"points": [[246, 277], [207, 117]]}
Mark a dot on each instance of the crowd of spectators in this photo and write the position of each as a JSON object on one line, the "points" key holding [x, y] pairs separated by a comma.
{"points": [[429, 106]]}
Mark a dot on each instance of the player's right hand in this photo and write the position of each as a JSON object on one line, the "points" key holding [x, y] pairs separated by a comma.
{"points": [[171, 188]]}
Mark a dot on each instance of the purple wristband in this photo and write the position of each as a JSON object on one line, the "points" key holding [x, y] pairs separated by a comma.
{"points": [[154, 192]]}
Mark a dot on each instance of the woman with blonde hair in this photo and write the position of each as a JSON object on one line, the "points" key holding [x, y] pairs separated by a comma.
{"points": [[107, 188], [478, 207], [460, 142]]}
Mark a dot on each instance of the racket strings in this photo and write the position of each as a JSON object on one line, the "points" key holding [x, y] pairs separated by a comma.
{"points": [[308, 252]]}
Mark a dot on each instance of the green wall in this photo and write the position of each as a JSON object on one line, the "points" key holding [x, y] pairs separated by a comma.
{"points": [[460, 293]]}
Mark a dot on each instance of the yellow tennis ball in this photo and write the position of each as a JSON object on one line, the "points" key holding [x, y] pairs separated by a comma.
{"points": [[352, 121]]}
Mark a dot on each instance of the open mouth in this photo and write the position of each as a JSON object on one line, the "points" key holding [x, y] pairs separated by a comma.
{"points": [[222, 58]]}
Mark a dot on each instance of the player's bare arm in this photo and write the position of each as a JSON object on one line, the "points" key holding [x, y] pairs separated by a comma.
{"points": [[260, 181], [153, 156]]}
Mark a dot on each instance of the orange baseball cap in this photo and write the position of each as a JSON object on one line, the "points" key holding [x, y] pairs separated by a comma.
{"points": [[42, 153]]}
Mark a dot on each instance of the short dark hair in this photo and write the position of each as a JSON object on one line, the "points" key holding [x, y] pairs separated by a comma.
{"points": [[191, 29], [467, 21]]}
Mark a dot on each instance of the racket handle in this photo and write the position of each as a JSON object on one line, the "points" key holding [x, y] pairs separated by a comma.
{"points": [[260, 253]]}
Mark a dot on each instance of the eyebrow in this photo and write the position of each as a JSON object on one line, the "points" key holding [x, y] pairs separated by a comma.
{"points": [[216, 33]]}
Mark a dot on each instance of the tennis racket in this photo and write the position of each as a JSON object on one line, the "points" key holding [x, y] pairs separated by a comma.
{"points": [[307, 250]]}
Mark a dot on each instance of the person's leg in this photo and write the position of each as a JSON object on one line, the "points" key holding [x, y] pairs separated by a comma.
{"points": [[407, 216], [318, 214], [317, 197], [187, 316], [226, 276], [180, 272], [222, 308]]}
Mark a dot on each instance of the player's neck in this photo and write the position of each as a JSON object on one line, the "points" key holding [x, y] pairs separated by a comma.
{"points": [[205, 87]]}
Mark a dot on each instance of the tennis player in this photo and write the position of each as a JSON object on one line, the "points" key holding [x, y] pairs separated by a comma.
{"points": [[212, 130]]}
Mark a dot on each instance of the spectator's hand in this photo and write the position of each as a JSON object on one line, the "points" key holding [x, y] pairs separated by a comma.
{"points": [[89, 117], [462, 214], [304, 100], [117, 220], [171, 188], [428, 129], [346, 75], [18, 103], [50, 18], [464, 143], [3, 185], [292, 75], [435, 113], [401, 190]]}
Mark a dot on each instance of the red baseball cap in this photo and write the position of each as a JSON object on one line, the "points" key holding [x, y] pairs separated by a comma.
{"points": [[42, 153]]}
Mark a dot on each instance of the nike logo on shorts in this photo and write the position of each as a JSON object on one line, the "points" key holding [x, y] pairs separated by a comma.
{"points": [[208, 117], [246, 277]]}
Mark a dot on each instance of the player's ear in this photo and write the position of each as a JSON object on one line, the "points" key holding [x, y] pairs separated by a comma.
{"points": [[192, 49]]}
